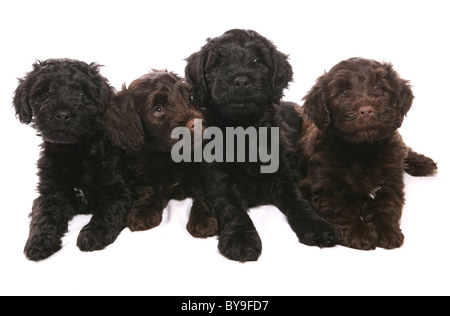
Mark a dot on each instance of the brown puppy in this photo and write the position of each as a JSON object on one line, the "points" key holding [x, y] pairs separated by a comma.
{"points": [[141, 119], [354, 157]]}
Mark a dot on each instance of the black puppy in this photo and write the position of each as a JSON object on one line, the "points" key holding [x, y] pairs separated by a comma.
{"points": [[80, 171], [239, 79]]}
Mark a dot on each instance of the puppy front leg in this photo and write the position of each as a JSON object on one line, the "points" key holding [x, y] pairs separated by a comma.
{"points": [[356, 232], [146, 212], [238, 238], [49, 222], [202, 222], [310, 227], [385, 212], [108, 219]]}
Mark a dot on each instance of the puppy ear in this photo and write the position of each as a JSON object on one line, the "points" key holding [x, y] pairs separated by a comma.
{"points": [[122, 122], [404, 95], [315, 106], [282, 74], [21, 99], [194, 73], [103, 88], [404, 101]]}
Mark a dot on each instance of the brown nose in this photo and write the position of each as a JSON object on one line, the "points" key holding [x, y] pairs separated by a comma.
{"points": [[366, 111], [190, 125]]}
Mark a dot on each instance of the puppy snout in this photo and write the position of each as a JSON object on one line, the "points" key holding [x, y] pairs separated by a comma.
{"points": [[190, 124], [366, 111], [63, 116], [241, 82]]}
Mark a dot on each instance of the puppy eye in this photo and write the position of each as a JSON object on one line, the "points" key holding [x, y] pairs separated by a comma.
{"points": [[256, 60], [344, 93], [158, 110], [379, 90]]}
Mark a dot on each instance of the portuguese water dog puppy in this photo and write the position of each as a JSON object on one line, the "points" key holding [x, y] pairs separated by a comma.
{"points": [[239, 78], [141, 119], [80, 171], [354, 157]]}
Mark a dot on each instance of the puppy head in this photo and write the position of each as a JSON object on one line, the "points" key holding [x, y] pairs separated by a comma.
{"points": [[359, 100], [63, 98], [238, 74], [148, 110]]}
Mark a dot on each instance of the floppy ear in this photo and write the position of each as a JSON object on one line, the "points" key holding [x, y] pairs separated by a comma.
{"points": [[404, 101], [403, 94], [282, 73], [21, 99], [122, 122], [195, 75], [315, 106]]}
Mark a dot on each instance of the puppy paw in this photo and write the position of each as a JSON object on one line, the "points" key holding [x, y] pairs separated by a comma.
{"points": [[317, 233], [41, 247], [139, 219], [360, 236], [389, 236], [202, 226], [419, 165], [96, 236], [240, 245]]}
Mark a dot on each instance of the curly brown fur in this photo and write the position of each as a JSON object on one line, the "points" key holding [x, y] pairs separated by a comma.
{"points": [[239, 79], [353, 155], [140, 119], [80, 170]]}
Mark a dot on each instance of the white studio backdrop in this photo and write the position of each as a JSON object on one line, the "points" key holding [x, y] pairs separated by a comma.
{"points": [[129, 38]]}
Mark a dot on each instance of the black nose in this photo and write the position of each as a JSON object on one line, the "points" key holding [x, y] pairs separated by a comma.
{"points": [[241, 82], [62, 116]]}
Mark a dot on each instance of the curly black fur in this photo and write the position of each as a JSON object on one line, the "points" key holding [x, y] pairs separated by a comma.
{"points": [[80, 171], [239, 79]]}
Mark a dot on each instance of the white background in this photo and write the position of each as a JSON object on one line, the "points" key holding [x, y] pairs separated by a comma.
{"points": [[131, 37]]}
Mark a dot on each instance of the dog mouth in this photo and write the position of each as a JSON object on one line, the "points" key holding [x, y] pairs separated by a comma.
{"points": [[364, 126], [239, 100], [366, 134], [60, 137], [229, 94]]}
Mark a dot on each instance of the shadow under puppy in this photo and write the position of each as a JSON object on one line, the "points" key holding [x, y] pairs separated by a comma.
{"points": [[141, 119], [239, 79], [353, 155], [80, 170]]}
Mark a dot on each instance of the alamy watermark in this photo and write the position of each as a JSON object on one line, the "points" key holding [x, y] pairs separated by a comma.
{"points": [[241, 145]]}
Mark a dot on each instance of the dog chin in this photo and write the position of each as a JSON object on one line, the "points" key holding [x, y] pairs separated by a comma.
{"points": [[241, 113], [60, 137], [364, 136]]}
